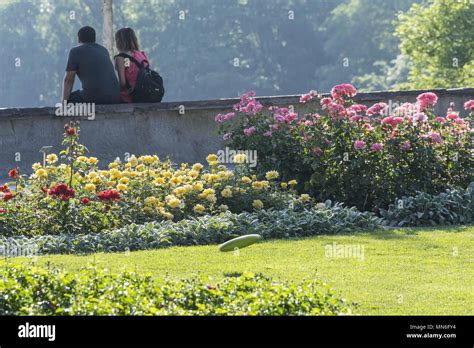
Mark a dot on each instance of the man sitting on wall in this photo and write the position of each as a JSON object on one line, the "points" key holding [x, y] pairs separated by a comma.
{"points": [[92, 64]]}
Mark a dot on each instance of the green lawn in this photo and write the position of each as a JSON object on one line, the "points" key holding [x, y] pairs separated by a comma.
{"points": [[406, 272]]}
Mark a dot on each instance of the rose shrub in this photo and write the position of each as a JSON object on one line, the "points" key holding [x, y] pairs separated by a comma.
{"points": [[70, 194], [347, 152]]}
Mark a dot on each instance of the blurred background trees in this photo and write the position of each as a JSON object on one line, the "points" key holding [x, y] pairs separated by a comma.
{"points": [[208, 49], [438, 38]]}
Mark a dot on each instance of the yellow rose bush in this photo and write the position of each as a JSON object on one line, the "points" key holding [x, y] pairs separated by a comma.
{"points": [[73, 193]]}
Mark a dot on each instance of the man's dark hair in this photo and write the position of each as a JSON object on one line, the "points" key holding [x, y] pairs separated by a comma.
{"points": [[86, 34]]}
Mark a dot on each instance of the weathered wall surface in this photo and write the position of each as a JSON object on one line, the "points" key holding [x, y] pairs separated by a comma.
{"points": [[151, 128]]}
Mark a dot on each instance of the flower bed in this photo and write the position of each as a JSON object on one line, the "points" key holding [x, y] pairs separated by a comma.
{"points": [[362, 156], [32, 290], [352, 154], [70, 194], [204, 230]]}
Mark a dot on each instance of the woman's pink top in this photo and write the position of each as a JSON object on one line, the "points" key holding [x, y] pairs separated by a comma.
{"points": [[131, 73]]}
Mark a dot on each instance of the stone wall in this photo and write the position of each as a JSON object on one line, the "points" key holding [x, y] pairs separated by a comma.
{"points": [[152, 128]]}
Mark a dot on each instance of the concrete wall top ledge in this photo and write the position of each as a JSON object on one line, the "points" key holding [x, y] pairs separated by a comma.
{"points": [[7, 113]]}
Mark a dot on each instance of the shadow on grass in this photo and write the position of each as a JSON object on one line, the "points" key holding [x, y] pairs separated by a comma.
{"points": [[232, 274], [386, 233], [406, 232]]}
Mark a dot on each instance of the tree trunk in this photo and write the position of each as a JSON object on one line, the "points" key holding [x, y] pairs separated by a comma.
{"points": [[107, 31]]}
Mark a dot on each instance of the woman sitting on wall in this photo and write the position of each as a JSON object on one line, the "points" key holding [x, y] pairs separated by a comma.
{"points": [[138, 83]]}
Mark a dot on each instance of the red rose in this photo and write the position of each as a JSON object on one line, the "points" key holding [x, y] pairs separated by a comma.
{"points": [[69, 130], [62, 191], [13, 173], [4, 188], [109, 195], [8, 196], [2, 211], [85, 201]]}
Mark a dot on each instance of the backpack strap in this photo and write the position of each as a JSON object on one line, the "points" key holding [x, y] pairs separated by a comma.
{"points": [[136, 62]]}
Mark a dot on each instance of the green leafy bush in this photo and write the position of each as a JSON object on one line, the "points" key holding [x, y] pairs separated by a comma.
{"points": [[288, 223], [32, 290], [452, 207]]}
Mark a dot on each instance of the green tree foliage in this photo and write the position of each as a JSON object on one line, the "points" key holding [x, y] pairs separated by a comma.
{"points": [[438, 38], [360, 39], [221, 48], [36, 38], [209, 49]]}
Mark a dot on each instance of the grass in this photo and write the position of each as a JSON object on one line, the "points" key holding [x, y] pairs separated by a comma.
{"points": [[404, 272]]}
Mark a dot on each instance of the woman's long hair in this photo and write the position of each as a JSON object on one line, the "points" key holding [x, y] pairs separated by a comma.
{"points": [[126, 40]]}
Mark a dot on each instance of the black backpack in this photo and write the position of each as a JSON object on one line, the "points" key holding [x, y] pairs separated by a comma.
{"points": [[149, 87]]}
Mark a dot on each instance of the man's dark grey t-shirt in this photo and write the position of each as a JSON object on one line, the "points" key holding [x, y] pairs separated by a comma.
{"points": [[94, 68]]}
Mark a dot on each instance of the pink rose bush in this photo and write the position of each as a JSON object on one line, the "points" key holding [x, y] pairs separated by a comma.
{"points": [[249, 131], [362, 155], [426, 100], [376, 147], [359, 144], [469, 105], [222, 118]]}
